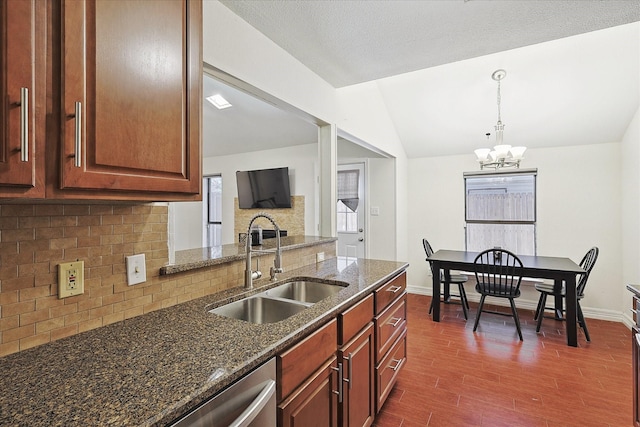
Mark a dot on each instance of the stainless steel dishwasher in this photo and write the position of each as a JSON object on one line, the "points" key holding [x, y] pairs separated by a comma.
{"points": [[249, 402]]}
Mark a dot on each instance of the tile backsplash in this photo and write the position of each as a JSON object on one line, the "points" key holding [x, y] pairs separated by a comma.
{"points": [[35, 238]]}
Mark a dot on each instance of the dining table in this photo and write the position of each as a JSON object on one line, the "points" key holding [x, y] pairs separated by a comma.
{"points": [[559, 269]]}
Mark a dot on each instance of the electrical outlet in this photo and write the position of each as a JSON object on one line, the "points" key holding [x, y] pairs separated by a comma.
{"points": [[320, 257], [70, 279], [136, 269]]}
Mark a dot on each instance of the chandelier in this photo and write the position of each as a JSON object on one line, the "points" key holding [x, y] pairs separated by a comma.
{"points": [[502, 155]]}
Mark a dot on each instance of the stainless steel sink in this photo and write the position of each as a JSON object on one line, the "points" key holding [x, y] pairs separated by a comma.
{"points": [[258, 309], [306, 291]]}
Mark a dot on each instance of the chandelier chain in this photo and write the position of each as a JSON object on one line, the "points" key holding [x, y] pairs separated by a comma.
{"points": [[499, 118]]}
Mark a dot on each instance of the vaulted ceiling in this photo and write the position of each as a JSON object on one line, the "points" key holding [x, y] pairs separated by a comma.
{"points": [[572, 66]]}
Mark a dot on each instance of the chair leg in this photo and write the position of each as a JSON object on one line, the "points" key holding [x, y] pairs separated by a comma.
{"points": [[463, 292], [475, 326], [540, 316], [535, 317], [463, 300], [515, 317], [582, 323]]}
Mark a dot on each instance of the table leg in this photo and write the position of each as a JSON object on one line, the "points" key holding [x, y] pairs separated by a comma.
{"points": [[447, 288], [571, 317], [435, 299]]}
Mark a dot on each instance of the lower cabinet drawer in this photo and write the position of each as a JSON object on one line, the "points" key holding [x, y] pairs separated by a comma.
{"points": [[389, 325], [387, 370], [295, 365]]}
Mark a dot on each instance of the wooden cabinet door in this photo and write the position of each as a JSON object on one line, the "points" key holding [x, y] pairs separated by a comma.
{"points": [[314, 403], [357, 358], [22, 86], [131, 76]]}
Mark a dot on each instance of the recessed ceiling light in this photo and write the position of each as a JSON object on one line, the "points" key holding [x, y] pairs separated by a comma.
{"points": [[218, 101]]}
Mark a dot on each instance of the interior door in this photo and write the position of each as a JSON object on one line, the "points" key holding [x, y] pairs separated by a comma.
{"points": [[350, 210]]}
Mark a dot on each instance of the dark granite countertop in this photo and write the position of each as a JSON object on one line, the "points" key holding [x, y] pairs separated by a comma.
{"points": [[191, 259], [151, 369]]}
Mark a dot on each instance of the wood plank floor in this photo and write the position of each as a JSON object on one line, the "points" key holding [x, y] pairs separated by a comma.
{"points": [[455, 377]]}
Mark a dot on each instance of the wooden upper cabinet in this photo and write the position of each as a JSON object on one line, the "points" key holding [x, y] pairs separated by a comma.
{"points": [[131, 96], [22, 90]]}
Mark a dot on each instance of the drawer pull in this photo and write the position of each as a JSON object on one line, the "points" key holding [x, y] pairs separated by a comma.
{"points": [[395, 321], [24, 124], [638, 339], [397, 364], [394, 289]]}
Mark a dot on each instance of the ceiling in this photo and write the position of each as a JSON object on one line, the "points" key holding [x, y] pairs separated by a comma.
{"points": [[572, 67]]}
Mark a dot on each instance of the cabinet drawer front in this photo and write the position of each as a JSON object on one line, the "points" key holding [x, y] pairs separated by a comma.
{"points": [[389, 325], [354, 319], [300, 361], [390, 291], [387, 371]]}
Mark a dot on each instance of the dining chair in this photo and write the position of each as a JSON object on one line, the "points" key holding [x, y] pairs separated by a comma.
{"points": [[498, 274], [458, 279], [546, 289]]}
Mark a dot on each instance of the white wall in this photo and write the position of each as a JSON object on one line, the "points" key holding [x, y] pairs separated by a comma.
{"points": [[579, 206], [630, 185], [189, 218], [233, 46], [302, 161]]}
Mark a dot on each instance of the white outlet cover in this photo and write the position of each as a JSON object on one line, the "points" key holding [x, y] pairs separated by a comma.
{"points": [[136, 269]]}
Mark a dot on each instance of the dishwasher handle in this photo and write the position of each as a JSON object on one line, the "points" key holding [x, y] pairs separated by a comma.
{"points": [[254, 409]]}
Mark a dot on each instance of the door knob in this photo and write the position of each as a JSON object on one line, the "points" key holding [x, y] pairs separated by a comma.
{"points": [[360, 230], [361, 240]]}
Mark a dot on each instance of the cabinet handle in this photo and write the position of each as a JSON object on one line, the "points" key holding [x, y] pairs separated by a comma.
{"points": [[638, 339], [339, 392], [394, 289], [398, 363], [350, 368], [78, 161], [24, 124], [395, 321]]}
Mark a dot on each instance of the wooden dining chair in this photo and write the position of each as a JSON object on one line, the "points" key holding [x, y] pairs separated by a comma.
{"points": [[498, 274], [546, 289], [458, 279]]}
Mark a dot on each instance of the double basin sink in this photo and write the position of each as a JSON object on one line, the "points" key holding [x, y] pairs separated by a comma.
{"points": [[280, 302]]}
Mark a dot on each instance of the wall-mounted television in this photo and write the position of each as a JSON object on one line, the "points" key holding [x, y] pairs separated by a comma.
{"points": [[264, 189]]}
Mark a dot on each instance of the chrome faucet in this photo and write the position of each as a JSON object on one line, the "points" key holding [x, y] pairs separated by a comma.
{"points": [[249, 274]]}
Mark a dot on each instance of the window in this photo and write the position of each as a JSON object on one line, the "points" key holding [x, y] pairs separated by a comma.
{"points": [[500, 210], [213, 219], [347, 208]]}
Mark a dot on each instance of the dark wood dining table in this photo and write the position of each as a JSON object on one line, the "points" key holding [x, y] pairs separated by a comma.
{"points": [[556, 268]]}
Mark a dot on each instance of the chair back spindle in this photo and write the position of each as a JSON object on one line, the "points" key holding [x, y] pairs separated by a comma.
{"points": [[497, 272]]}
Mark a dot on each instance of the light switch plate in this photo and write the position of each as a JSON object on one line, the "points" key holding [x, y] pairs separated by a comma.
{"points": [[70, 279], [136, 269]]}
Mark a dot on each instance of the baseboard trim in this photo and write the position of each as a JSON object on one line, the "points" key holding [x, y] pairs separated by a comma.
{"points": [[589, 313]]}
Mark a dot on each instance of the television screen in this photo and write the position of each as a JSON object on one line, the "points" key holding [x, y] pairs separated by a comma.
{"points": [[264, 189]]}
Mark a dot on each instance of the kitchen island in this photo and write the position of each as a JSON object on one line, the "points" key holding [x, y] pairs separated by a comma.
{"points": [[151, 369]]}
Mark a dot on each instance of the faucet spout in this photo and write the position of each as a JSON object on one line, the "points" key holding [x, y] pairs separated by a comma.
{"points": [[249, 274]]}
